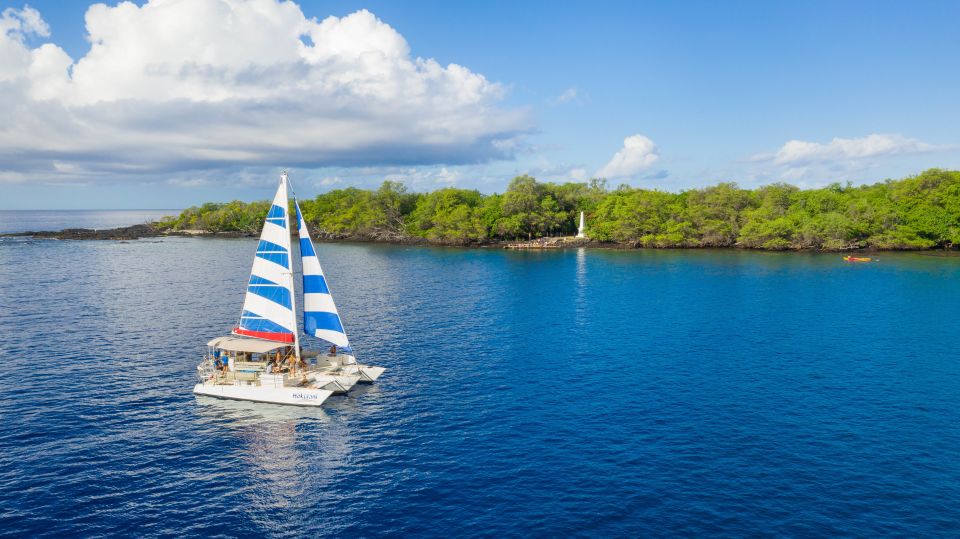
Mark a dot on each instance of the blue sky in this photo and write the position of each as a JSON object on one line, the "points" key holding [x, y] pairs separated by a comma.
{"points": [[669, 95]]}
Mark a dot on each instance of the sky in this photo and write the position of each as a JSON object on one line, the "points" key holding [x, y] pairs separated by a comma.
{"points": [[170, 103]]}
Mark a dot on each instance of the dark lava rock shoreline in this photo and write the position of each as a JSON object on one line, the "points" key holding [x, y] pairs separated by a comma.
{"points": [[150, 230], [134, 232], [123, 233]]}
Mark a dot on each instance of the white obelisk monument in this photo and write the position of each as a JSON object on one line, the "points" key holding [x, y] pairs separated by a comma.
{"points": [[580, 233]]}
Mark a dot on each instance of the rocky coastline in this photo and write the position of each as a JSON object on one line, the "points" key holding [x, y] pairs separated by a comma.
{"points": [[124, 233], [152, 230]]}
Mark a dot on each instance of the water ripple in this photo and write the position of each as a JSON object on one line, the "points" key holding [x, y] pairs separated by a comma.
{"points": [[567, 393]]}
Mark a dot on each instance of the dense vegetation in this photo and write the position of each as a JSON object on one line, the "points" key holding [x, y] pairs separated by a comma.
{"points": [[918, 212]]}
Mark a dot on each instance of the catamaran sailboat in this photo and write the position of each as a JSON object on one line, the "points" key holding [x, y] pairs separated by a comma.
{"points": [[262, 359]]}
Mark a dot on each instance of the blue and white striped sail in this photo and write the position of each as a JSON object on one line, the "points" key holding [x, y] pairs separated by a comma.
{"points": [[268, 306], [320, 316]]}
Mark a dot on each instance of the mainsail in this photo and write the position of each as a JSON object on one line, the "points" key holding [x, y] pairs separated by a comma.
{"points": [[268, 307], [320, 316]]}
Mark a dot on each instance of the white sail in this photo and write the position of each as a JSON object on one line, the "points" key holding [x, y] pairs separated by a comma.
{"points": [[268, 311], [320, 316]]}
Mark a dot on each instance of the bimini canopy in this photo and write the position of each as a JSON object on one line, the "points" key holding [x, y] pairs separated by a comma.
{"points": [[239, 344]]}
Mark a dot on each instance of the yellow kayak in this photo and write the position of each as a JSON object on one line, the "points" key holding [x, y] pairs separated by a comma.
{"points": [[857, 258]]}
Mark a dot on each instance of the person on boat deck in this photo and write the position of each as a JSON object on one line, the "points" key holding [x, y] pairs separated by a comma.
{"points": [[292, 365], [271, 366], [333, 350]]}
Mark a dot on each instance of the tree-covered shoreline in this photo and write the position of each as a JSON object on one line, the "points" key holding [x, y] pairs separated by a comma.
{"points": [[918, 212]]}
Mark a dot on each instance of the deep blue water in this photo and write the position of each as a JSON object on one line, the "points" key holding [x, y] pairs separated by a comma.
{"points": [[43, 220], [588, 393]]}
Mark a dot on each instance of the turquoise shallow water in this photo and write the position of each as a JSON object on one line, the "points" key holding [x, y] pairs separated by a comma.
{"points": [[586, 393]]}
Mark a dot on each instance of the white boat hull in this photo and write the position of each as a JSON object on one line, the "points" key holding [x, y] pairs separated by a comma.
{"points": [[299, 396], [369, 373], [346, 364], [338, 383]]}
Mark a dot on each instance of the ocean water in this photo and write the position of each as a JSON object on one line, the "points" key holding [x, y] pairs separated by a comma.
{"points": [[573, 393], [46, 220]]}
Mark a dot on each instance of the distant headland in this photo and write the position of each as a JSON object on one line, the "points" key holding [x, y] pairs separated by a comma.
{"points": [[918, 212]]}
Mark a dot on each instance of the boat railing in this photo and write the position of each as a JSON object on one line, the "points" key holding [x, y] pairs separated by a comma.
{"points": [[250, 372], [206, 370]]}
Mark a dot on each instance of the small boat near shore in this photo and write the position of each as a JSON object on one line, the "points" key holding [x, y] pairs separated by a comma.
{"points": [[857, 259], [263, 360]]}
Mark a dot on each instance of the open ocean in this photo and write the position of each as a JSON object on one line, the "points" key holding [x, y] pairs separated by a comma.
{"points": [[45, 220], [567, 393]]}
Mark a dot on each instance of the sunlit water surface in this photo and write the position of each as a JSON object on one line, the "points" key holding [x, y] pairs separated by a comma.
{"points": [[590, 393]]}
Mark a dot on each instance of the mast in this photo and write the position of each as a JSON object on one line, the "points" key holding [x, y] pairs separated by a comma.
{"points": [[293, 297]]}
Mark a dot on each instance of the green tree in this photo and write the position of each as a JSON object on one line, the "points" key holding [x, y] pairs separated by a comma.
{"points": [[918, 212]]}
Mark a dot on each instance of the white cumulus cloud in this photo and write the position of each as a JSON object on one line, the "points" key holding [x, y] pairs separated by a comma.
{"points": [[811, 164], [875, 145], [176, 85], [23, 21], [570, 95], [637, 154], [566, 96]]}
